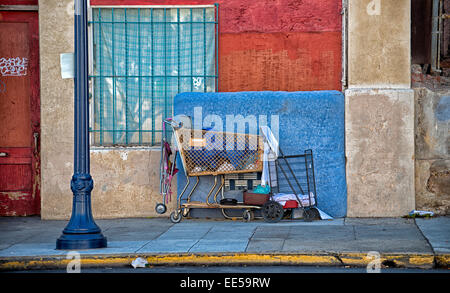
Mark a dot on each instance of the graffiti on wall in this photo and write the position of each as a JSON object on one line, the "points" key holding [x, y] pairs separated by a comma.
{"points": [[197, 81], [13, 66]]}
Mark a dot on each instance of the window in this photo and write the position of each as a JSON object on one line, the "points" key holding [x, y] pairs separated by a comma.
{"points": [[143, 57]]}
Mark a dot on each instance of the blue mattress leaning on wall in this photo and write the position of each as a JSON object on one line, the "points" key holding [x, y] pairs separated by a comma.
{"points": [[305, 120]]}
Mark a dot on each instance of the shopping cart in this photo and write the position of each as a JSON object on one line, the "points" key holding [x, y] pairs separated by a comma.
{"points": [[167, 169], [211, 153]]}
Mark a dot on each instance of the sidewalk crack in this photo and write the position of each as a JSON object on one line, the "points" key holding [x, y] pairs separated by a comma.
{"points": [[137, 250], [426, 239], [250, 238], [435, 262], [203, 236]]}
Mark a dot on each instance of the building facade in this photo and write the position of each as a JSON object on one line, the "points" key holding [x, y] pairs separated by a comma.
{"points": [[143, 52]]}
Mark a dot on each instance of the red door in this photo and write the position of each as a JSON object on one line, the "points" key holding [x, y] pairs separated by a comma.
{"points": [[19, 114]]}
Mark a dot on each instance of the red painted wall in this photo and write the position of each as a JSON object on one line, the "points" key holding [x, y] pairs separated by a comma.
{"points": [[18, 2], [290, 45]]}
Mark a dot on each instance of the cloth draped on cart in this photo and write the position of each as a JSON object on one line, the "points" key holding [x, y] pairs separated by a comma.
{"points": [[270, 153], [281, 198]]}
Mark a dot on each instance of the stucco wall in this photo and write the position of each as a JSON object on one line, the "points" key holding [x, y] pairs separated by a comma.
{"points": [[379, 119], [379, 127], [432, 144], [56, 36], [127, 182], [379, 44], [264, 45]]}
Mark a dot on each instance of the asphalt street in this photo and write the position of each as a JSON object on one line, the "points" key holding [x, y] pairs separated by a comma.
{"points": [[237, 270]]}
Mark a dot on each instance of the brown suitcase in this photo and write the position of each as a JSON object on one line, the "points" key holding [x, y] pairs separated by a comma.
{"points": [[255, 198]]}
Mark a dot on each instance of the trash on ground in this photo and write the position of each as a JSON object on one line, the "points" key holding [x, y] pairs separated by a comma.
{"points": [[323, 215], [418, 214], [298, 213], [139, 263]]}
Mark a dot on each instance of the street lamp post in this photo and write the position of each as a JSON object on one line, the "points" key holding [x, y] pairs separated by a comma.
{"points": [[81, 232]]}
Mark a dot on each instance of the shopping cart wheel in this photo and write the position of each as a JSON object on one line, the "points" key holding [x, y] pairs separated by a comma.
{"points": [[175, 217], [311, 214], [248, 216], [160, 208], [272, 211]]}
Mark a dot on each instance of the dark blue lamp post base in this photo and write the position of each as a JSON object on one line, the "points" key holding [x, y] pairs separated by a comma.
{"points": [[81, 232], [81, 241]]}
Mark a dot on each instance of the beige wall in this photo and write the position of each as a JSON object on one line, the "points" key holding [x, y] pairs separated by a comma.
{"points": [[379, 128], [379, 44], [379, 114], [126, 181], [56, 35]]}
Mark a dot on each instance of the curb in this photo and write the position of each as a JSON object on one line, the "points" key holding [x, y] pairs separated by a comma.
{"points": [[423, 261]]}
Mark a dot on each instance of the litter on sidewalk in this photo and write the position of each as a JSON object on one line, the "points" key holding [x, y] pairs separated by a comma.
{"points": [[139, 263], [415, 213]]}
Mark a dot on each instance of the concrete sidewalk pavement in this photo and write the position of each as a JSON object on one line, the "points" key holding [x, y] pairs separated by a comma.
{"points": [[29, 242]]}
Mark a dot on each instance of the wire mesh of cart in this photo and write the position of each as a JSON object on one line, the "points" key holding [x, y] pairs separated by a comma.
{"points": [[213, 153]]}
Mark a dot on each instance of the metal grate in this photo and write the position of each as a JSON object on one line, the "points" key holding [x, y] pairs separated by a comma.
{"points": [[142, 58]]}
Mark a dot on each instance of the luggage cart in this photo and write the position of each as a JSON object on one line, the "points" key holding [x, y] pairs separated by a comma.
{"points": [[211, 153], [302, 183]]}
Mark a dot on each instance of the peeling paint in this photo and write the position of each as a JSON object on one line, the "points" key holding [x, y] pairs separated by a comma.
{"points": [[432, 147], [443, 109], [16, 195]]}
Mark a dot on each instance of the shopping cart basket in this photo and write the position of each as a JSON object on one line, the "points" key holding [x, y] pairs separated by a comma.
{"points": [[213, 153]]}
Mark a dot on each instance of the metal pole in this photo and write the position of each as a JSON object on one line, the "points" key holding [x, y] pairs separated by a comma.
{"points": [[81, 232], [344, 13], [435, 36]]}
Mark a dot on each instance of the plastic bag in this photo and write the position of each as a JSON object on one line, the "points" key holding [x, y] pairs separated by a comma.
{"points": [[139, 263]]}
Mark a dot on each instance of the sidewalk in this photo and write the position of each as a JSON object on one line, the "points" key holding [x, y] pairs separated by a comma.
{"points": [[29, 242]]}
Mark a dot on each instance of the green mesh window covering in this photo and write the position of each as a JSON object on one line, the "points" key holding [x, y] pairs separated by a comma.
{"points": [[143, 57]]}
